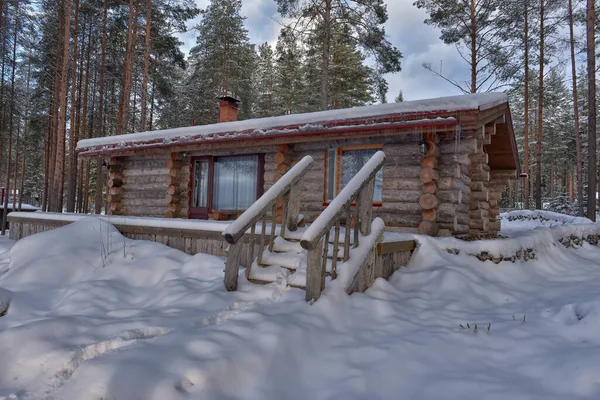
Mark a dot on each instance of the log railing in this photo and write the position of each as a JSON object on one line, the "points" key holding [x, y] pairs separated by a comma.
{"points": [[287, 190], [316, 238]]}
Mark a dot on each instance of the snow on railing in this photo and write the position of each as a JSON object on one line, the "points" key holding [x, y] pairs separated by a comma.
{"points": [[287, 189], [359, 190]]}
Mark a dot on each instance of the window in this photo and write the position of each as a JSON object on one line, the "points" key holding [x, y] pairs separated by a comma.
{"points": [[225, 184], [345, 162]]}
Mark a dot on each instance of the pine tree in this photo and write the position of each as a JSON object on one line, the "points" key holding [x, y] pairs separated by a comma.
{"points": [[363, 22], [265, 77], [222, 62], [471, 26]]}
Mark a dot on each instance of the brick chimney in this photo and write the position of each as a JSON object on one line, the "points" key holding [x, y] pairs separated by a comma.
{"points": [[228, 111]]}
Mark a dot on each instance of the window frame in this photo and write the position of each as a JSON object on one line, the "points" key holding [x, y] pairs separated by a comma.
{"points": [[338, 170], [205, 212]]}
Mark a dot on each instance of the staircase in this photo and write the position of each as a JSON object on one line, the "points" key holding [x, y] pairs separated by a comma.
{"points": [[344, 236]]}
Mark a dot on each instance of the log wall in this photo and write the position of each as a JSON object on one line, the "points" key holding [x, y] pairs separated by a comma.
{"points": [[137, 185], [450, 191]]}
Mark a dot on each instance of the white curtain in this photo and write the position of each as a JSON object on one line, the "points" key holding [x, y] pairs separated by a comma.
{"points": [[235, 182], [353, 161], [201, 183]]}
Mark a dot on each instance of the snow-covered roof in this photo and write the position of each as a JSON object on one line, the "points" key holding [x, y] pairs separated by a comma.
{"points": [[336, 120]]}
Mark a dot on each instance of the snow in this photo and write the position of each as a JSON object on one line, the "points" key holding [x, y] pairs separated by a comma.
{"points": [[522, 220], [296, 123], [170, 223], [23, 206], [319, 226], [243, 222], [94, 315]]}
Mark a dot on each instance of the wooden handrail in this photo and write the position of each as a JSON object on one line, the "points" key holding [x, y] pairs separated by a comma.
{"points": [[316, 238], [286, 189], [343, 202], [261, 206]]}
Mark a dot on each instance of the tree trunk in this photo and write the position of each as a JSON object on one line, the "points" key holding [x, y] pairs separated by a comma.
{"points": [[59, 168], [146, 66], [25, 135], [540, 120], [72, 175], [326, 52], [99, 182], [473, 36], [526, 108], [123, 113], [579, 170], [10, 131], [591, 70]]}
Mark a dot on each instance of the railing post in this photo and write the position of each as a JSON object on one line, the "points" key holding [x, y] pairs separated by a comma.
{"points": [[232, 266], [365, 207], [314, 274], [293, 209]]}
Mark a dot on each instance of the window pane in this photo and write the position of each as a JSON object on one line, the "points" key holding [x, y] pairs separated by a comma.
{"points": [[353, 161], [201, 183], [331, 155], [235, 182]]}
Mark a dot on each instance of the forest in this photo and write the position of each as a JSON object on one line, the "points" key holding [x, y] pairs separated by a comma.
{"points": [[76, 69]]}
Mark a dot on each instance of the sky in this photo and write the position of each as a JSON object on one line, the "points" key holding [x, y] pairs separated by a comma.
{"points": [[405, 29]]}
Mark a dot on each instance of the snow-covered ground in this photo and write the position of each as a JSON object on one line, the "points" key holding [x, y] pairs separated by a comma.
{"points": [[93, 315]]}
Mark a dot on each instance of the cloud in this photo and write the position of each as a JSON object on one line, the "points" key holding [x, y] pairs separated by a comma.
{"points": [[418, 42]]}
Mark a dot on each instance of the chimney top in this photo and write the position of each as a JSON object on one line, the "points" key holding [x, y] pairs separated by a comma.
{"points": [[228, 109]]}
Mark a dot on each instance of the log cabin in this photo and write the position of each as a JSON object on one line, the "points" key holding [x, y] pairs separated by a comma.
{"points": [[448, 161]]}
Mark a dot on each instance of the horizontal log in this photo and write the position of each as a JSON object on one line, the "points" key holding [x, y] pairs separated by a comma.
{"points": [[479, 224], [455, 229], [400, 220], [115, 191], [428, 228], [450, 182], [283, 148], [467, 146], [429, 175], [390, 172], [479, 214], [173, 189], [479, 158], [115, 182], [401, 184], [282, 168], [458, 158], [480, 176], [479, 205], [174, 164], [159, 171], [143, 203], [480, 196], [428, 201], [494, 227], [429, 187], [405, 196], [450, 196], [392, 207], [458, 218], [429, 215], [283, 158], [479, 186], [115, 205], [429, 162], [173, 198]]}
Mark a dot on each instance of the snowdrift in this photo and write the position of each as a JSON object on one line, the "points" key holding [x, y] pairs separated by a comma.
{"points": [[94, 315]]}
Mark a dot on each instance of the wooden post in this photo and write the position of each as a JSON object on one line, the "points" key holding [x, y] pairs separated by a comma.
{"points": [[172, 197], [232, 266], [365, 207], [294, 207], [115, 187], [313, 272], [429, 179]]}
